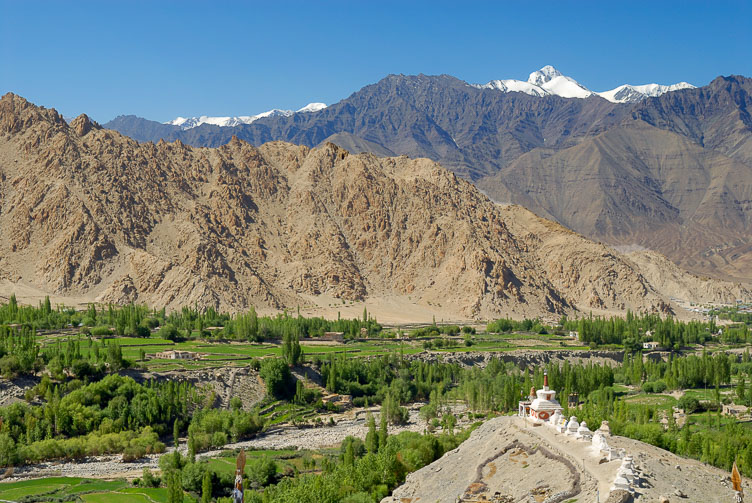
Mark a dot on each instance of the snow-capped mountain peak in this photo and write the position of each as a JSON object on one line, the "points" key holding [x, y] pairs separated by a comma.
{"points": [[632, 94], [548, 81], [545, 74], [312, 107], [191, 122], [545, 82]]}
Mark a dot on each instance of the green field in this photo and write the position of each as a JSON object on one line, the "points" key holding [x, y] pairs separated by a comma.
{"points": [[239, 353], [71, 489], [660, 401], [57, 487]]}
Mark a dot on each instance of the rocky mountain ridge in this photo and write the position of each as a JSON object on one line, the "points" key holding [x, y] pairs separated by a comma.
{"points": [[89, 212], [669, 173]]}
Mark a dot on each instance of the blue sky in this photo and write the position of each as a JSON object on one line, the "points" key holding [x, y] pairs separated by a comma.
{"points": [[163, 59]]}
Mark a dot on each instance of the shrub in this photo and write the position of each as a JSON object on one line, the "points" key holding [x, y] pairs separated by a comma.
{"points": [[142, 331], [192, 477], [451, 330], [101, 331], [149, 480], [690, 404], [169, 332], [236, 403], [151, 322], [261, 470], [219, 438], [10, 366]]}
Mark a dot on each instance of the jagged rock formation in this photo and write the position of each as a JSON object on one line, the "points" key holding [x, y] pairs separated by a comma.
{"points": [[90, 213]]}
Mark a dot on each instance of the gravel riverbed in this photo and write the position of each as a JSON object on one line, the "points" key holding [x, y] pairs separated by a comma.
{"points": [[286, 437]]}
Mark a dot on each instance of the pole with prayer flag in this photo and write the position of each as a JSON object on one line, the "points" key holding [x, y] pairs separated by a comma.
{"points": [[736, 483], [237, 492]]}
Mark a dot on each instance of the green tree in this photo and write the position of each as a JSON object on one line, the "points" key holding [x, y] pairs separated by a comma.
{"points": [[176, 433], [372, 438], [291, 350], [206, 488], [741, 391], [383, 429], [174, 487], [277, 377], [8, 455], [349, 457]]}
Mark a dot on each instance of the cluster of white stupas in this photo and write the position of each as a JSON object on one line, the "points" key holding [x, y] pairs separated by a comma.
{"points": [[544, 409], [626, 477]]}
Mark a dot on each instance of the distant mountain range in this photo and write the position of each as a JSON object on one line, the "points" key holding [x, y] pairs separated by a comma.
{"points": [[95, 216], [191, 122], [671, 173], [548, 81]]}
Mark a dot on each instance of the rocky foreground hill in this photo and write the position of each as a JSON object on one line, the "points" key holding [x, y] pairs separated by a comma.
{"points": [[508, 459], [92, 214]]}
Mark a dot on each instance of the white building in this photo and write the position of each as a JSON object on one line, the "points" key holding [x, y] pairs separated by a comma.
{"points": [[543, 406]]}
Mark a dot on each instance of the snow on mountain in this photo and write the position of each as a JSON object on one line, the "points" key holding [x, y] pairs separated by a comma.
{"points": [[545, 74], [545, 82], [548, 81], [632, 94], [191, 122], [312, 107], [511, 85], [566, 87]]}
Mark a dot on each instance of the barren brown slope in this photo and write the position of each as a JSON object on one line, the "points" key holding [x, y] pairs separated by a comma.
{"points": [[566, 257], [637, 184], [88, 212]]}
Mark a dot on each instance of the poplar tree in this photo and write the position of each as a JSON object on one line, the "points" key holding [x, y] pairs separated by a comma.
{"points": [[206, 488], [372, 438], [383, 430]]}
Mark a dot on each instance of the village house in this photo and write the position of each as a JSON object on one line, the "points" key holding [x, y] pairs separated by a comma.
{"points": [[650, 345], [342, 401], [177, 355], [334, 336], [735, 410]]}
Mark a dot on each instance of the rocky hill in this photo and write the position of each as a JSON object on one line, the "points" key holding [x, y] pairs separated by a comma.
{"points": [[92, 214], [669, 173], [508, 459]]}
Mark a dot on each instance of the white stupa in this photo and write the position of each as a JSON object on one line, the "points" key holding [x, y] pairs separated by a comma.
{"points": [[545, 405]]}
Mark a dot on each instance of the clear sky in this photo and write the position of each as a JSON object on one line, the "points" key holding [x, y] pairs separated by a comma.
{"points": [[161, 59]]}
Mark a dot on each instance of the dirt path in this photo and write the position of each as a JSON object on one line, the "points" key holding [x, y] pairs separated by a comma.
{"points": [[582, 453]]}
